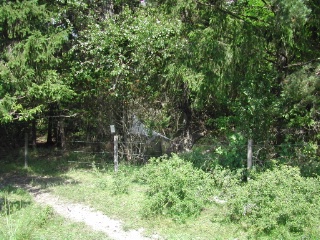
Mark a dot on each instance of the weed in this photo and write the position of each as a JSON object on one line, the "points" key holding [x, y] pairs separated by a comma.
{"points": [[121, 183]]}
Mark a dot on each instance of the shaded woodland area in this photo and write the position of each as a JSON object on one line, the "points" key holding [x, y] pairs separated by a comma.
{"points": [[227, 70]]}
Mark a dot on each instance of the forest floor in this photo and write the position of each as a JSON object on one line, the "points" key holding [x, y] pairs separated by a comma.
{"points": [[74, 211]]}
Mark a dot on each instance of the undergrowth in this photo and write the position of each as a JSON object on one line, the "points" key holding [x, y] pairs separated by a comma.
{"points": [[175, 188], [278, 203], [180, 198]]}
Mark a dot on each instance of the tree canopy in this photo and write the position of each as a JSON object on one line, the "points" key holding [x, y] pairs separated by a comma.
{"points": [[186, 68]]}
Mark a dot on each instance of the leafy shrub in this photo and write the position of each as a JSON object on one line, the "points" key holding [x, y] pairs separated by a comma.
{"points": [[233, 154], [224, 178], [302, 154], [175, 188], [200, 159], [277, 200]]}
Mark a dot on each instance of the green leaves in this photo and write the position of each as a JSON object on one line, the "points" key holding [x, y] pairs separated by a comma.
{"points": [[12, 109], [276, 202], [175, 188], [52, 89], [16, 18], [30, 59], [300, 101]]}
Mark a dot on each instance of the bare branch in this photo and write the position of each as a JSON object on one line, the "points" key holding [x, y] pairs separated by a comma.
{"points": [[301, 63], [63, 116], [220, 9]]}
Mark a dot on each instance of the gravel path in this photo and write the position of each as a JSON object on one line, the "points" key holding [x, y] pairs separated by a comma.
{"points": [[81, 213], [96, 220]]}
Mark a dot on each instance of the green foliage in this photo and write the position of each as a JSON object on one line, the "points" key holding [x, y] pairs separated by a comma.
{"points": [[233, 154], [224, 178], [300, 101], [280, 201], [15, 18], [121, 183], [301, 154], [200, 158], [21, 219], [175, 188], [29, 61], [246, 65], [230, 153]]}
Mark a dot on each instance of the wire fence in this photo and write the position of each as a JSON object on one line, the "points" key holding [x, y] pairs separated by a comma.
{"points": [[264, 153], [87, 152]]}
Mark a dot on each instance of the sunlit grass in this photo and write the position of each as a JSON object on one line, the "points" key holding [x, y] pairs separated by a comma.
{"points": [[21, 218], [96, 188], [120, 196]]}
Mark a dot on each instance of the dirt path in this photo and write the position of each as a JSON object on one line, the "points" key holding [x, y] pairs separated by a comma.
{"points": [[96, 220], [80, 213]]}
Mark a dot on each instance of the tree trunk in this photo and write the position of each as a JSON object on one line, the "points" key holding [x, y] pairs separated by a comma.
{"points": [[125, 128], [50, 126], [34, 133], [61, 134], [187, 140]]}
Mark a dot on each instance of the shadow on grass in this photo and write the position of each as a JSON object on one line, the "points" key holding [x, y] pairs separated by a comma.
{"points": [[49, 161], [32, 182], [46, 168]]}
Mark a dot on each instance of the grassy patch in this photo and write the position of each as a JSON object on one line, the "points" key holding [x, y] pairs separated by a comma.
{"points": [[277, 204], [21, 219], [126, 201]]}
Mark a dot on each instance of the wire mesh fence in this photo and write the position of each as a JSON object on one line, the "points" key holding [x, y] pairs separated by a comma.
{"points": [[140, 151]]}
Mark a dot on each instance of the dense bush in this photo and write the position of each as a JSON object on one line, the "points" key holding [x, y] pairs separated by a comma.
{"points": [[200, 158], [303, 154], [175, 188], [225, 178], [230, 153], [280, 202]]}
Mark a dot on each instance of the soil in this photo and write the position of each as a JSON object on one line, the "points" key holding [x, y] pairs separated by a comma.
{"points": [[75, 212]]}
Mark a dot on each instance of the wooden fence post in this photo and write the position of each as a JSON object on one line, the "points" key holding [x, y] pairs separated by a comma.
{"points": [[249, 156], [26, 150], [116, 163]]}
